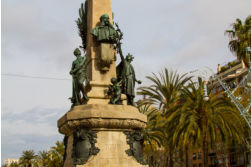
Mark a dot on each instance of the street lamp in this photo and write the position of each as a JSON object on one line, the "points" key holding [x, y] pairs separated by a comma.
{"points": [[205, 95]]}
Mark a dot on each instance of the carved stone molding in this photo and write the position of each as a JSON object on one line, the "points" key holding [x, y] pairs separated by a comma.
{"points": [[69, 126], [102, 116]]}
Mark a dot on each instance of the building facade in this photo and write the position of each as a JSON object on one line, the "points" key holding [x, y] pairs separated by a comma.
{"points": [[8, 162]]}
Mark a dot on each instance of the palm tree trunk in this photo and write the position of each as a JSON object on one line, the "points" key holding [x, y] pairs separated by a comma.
{"points": [[205, 152], [170, 159], [187, 156], [245, 156]]}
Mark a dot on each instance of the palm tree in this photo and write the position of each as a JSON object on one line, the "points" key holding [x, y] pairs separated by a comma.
{"points": [[27, 158], [14, 164], [203, 123], [240, 38], [153, 137], [164, 93], [56, 155], [43, 159], [165, 90]]}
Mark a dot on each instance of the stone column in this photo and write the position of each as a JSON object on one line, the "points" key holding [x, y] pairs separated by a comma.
{"points": [[99, 80]]}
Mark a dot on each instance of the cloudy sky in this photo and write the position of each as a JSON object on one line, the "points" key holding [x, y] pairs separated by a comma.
{"points": [[38, 38]]}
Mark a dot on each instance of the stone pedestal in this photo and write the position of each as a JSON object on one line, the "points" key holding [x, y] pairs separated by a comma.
{"points": [[109, 122]]}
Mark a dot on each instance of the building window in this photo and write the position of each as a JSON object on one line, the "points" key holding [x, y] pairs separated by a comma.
{"points": [[194, 156], [199, 155]]}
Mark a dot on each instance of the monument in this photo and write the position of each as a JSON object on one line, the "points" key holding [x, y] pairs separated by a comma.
{"points": [[102, 127]]}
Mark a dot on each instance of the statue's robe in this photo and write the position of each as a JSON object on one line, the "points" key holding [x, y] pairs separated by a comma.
{"points": [[125, 72], [79, 76]]}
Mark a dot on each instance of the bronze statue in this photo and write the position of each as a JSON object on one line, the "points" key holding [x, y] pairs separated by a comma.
{"points": [[125, 71], [115, 92], [105, 32], [126, 74], [78, 72]]}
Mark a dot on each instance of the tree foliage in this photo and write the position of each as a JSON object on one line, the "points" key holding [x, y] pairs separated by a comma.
{"points": [[179, 119], [240, 38], [51, 158]]}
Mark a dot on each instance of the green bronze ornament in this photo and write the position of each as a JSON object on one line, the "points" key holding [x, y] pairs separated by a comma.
{"points": [[78, 72], [84, 145], [135, 141]]}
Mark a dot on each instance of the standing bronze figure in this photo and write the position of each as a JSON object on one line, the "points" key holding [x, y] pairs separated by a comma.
{"points": [[125, 71], [126, 74], [78, 72]]}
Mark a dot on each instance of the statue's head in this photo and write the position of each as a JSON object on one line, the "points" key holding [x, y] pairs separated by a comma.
{"points": [[105, 19], [77, 52], [129, 57], [114, 80]]}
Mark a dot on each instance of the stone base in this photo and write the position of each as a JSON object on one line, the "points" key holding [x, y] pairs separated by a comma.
{"points": [[110, 122], [112, 145]]}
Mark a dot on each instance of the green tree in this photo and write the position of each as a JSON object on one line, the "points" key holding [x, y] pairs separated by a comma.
{"points": [[153, 137], [164, 93], [42, 159], [240, 38], [27, 158], [56, 155], [203, 123], [14, 164]]}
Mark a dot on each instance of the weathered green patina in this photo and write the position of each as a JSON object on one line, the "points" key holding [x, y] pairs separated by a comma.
{"points": [[78, 72], [84, 145], [115, 92], [135, 140], [105, 31]]}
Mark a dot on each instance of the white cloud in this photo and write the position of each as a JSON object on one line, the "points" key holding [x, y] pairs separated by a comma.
{"points": [[36, 121]]}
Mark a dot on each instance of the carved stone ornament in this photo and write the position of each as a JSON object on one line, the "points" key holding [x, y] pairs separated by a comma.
{"points": [[84, 145], [107, 56], [135, 141]]}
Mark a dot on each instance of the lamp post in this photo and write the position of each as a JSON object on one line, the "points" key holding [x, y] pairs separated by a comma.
{"points": [[205, 94]]}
